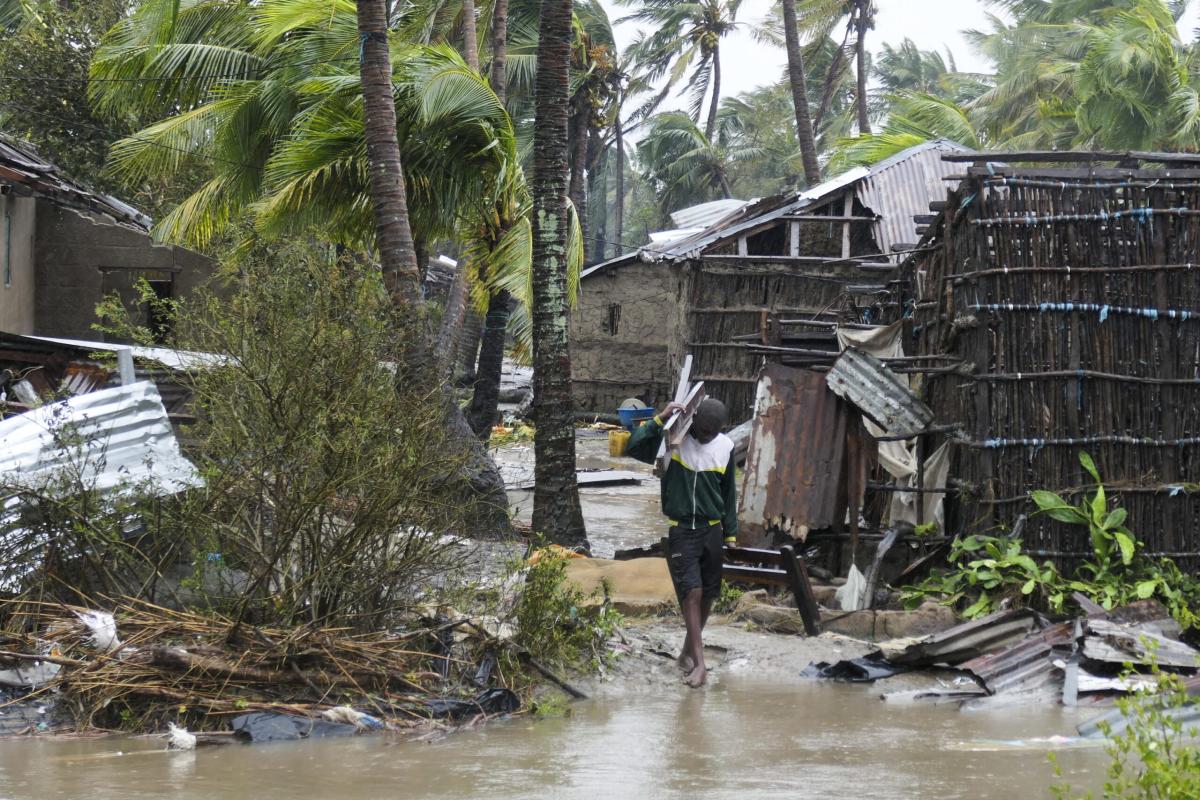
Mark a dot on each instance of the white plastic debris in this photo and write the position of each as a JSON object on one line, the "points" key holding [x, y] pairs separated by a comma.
{"points": [[103, 629], [348, 716], [179, 738], [852, 595]]}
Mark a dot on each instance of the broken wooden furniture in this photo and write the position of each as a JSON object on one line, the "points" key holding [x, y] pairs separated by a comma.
{"points": [[782, 567]]}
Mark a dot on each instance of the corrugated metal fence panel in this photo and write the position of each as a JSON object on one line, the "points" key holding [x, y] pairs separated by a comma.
{"points": [[879, 393], [112, 438], [793, 477], [900, 188]]}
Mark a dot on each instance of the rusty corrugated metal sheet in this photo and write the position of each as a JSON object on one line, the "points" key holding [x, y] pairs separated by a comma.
{"points": [[793, 477], [969, 640], [1025, 666], [901, 186], [879, 393]]}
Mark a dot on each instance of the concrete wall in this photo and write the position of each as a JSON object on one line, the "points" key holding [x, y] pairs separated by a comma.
{"points": [[78, 259], [620, 329], [17, 223]]}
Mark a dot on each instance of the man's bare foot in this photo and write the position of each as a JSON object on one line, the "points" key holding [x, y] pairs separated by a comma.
{"points": [[685, 662], [697, 677]]}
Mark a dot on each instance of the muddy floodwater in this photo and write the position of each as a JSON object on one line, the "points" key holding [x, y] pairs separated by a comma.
{"points": [[740, 738]]}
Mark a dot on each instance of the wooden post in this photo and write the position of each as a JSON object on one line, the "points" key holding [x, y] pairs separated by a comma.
{"points": [[794, 238], [806, 602], [847, 208], [743, 249]]}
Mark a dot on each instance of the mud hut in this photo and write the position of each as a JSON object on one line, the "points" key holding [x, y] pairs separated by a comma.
{"points": [[1069, 296], [808, 256]]}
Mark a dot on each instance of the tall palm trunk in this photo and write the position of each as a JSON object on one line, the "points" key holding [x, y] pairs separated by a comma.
{"points": [[397, 254], [499, 78], [598, 196], [556, 510], [860, 53], [398, 258], [804, 126], [455, 336], [578, 145], [619, 209], [485, 398], [711, 124], [470, 36]]}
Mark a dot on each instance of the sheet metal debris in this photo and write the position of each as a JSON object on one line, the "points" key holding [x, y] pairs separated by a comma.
{"points": [[970, 640], [793, 480], [879, 393], [110, 439]]}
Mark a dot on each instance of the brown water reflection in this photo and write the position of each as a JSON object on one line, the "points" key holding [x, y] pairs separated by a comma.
{"points": [[738, 739]]}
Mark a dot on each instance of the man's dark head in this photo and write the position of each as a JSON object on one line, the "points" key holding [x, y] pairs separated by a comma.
{"points": [[709, 419]]}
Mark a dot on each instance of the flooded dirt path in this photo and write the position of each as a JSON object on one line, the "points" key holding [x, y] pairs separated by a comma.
{"points": [[758, 731], [741, 738]]}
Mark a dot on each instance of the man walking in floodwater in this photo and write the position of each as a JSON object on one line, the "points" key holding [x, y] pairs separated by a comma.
{"points": [[699, 499]]}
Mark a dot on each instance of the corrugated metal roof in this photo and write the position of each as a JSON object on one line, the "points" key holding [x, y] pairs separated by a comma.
{"points": [[125, 439], [19, 166], [705, 214], [794, 461], [896, 188], [879, 393], [182, 360], [903, 185]]}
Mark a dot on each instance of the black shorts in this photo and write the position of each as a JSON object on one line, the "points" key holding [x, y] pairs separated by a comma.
{"points": [[694, 558]]}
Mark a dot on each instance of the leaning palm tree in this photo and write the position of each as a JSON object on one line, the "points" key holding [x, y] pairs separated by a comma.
{"points": [[798, 82], [684, 36], [683, 165], [556, 510], [393, 236]]}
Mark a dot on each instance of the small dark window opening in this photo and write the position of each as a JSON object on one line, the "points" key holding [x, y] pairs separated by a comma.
{"points": [[158, 321], [614, 318]]}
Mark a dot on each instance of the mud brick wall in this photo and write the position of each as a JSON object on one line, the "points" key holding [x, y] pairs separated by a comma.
{"points": [[620, 329], [78, 258]]}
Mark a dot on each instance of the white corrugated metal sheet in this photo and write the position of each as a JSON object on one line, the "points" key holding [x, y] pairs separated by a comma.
{"points": [[183, 360], [903, 185], [124, 440], [705, 214]]}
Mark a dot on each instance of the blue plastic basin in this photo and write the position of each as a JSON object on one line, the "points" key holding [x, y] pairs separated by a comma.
{"points": [[632, 417]]}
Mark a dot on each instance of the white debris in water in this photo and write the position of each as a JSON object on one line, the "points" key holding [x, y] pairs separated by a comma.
{"points": [[179, 738], [103, 629]]}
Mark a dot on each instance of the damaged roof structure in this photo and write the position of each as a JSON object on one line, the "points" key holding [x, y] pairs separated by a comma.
{"points": [[66, 246], [822, 255], [1046, 310]]}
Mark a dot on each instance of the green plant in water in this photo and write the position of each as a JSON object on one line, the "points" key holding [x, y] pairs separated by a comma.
{"points": [[1153, 755], [555, 622]]}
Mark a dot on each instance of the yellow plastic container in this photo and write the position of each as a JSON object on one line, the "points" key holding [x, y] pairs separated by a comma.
{"points": [[618, 441]]}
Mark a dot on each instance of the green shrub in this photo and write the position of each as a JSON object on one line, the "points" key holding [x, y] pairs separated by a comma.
{"points": [[556, 625], [1153, 756], [985, 570]]}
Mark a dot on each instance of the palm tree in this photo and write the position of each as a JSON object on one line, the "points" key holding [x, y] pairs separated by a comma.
{"points": [[682, 164], [393, 237], [817, 21], [797, 80], [556, 509], [685, 35]]}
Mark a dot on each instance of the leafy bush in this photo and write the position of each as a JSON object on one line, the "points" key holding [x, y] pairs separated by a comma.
{"points": [[984, 569], [555, 624], [1151, 757]]}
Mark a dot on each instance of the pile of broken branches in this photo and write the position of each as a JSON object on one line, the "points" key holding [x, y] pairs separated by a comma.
{"points": [[201, 668]]}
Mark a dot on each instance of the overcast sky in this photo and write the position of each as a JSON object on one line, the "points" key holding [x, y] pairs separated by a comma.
{"points": [[932, 24]]}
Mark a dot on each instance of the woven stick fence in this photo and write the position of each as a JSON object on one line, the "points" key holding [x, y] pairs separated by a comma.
{"points": [[1075, 304]]}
